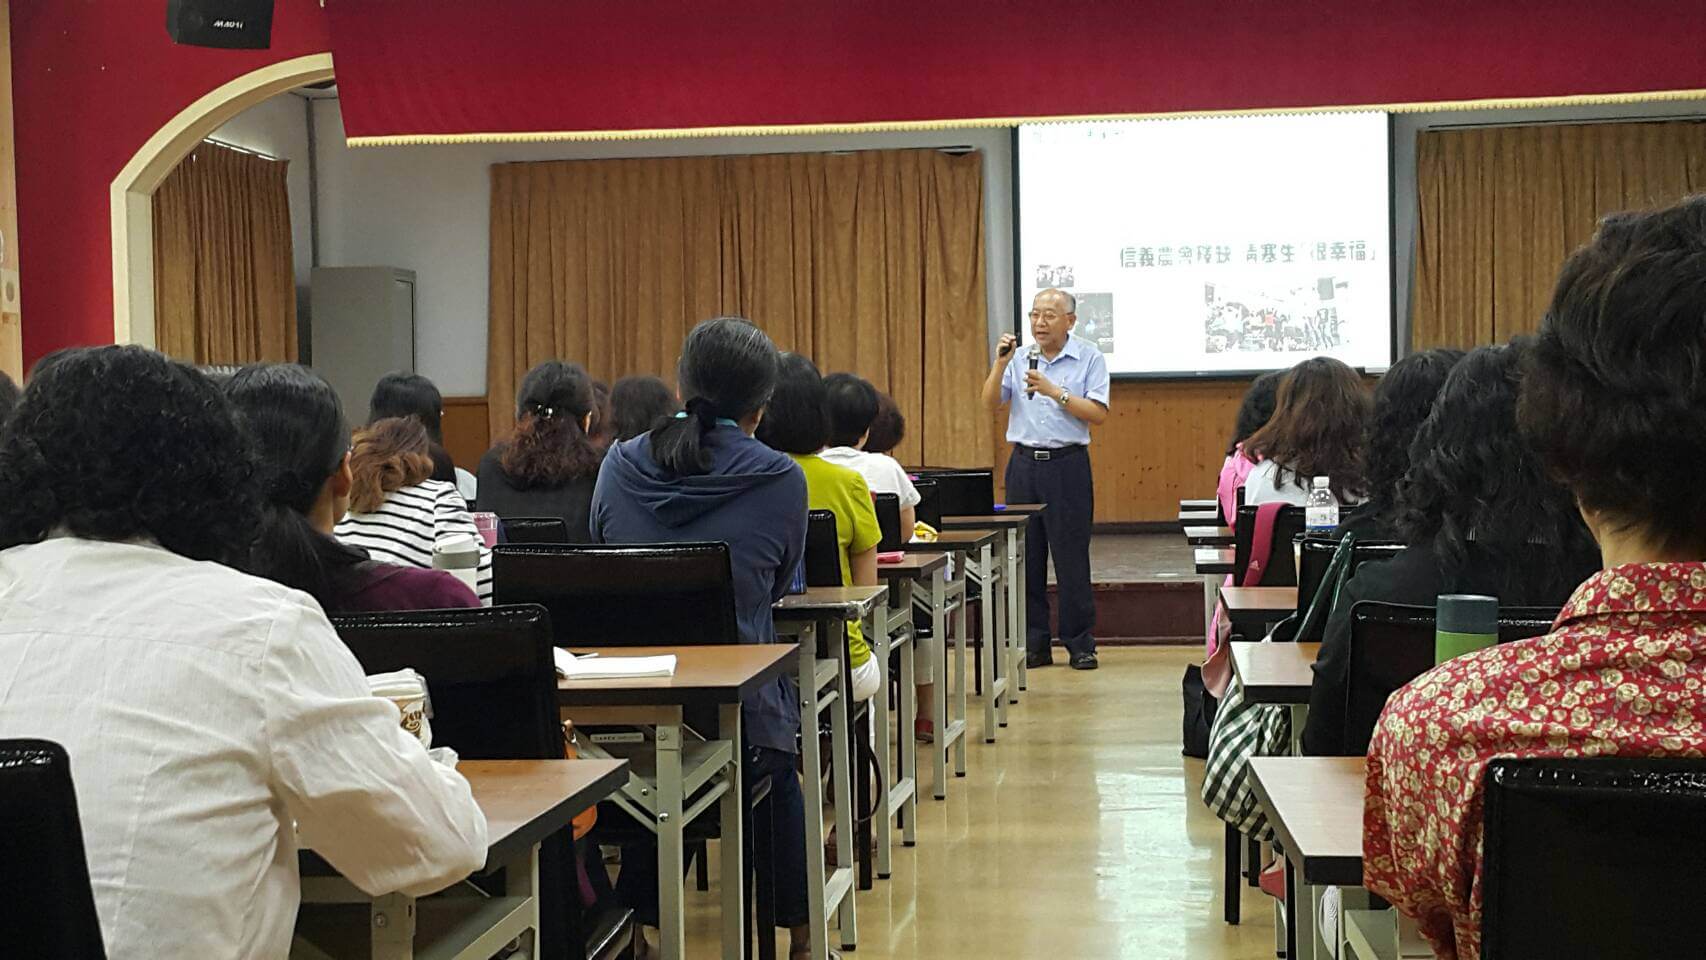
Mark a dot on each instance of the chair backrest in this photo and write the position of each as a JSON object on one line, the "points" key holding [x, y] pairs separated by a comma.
{"points": [[44, 873], [1282, 567], [1393, 643], [888, 521], [632, 594], [489, 673], [964, 493], [929, 507], [535, 530], [1316, 554], [823, 550], [1591, 857]]}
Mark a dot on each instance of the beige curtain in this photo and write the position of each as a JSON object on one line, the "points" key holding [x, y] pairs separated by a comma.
{"points": [[870, 262], [1502, 207], [224, 286]]}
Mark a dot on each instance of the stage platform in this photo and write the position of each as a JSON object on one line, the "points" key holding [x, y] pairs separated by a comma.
{"points": [[1146, 589]]}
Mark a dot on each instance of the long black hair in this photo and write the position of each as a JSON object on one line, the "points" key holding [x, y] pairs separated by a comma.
{"points": [[408, 395], [1256, 408], [119, 442], [637, 403], [1402, 401], [550, 447], [300, 435], [1473, 478], [727, 370]]}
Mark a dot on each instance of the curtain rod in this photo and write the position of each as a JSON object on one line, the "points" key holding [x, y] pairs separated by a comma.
{"points": [[247, 150]]}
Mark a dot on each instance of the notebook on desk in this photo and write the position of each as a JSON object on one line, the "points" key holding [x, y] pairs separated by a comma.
{"points": [[593, 667]]}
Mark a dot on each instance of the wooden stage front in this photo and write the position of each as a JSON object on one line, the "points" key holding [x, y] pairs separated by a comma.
{"points": [[1146, 589]]}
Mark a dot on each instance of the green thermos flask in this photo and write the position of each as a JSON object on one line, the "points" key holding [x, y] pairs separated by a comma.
{"points": [[1464, 623]]}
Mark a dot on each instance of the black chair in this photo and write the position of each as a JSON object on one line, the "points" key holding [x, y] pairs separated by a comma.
{"points": [[1282, 567], [534, 530], [929, 509], [1316, 554], [492, 685], [963, 492], [44, 872], [623, 595], [1393, 643], [823, 550], [888, 521], [1592, 858]]}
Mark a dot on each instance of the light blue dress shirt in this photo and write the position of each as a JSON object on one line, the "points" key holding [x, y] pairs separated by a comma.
{"points": [[1039, 421]]}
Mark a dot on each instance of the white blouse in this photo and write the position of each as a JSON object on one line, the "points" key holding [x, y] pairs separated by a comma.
{"points": [[204, 711], [1264, 485]]}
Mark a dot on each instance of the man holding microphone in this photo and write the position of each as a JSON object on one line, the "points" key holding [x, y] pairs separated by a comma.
{"points": [[1053, 400]]}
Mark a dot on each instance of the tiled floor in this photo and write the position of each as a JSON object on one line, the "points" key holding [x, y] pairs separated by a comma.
{"points": [[1079, 836]]}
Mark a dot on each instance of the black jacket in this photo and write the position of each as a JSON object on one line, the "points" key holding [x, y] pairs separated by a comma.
{"points": [[1415, 577], [571, 500]]}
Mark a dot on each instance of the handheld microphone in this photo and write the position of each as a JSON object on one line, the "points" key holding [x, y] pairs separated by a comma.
{"points": [[1033, 355]]}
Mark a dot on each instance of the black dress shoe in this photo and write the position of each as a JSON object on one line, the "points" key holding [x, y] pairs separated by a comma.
{"points": [[1035, 660], [1083, 661]]}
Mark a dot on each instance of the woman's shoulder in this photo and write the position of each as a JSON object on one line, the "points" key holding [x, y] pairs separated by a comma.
{"points": [[389, 586]]}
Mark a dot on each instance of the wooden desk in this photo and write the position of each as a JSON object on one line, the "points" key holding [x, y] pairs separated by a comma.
{"points": [[819, 618], [1275, 672], [1315, 805], [1012, 554], [671, 767], [943, 596], [1251, 609], [525, 801], [982, 546], [1214, 561], [1208, 503], [1199, 518], [1209, 536]]}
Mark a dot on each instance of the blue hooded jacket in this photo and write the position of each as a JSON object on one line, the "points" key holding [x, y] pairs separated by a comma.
{"points": [[753, 499]]}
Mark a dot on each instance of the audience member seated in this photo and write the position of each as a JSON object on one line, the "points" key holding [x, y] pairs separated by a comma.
{"points": [[8, 396], [852, 408], [1320, 412], [637, 404], [1614, 405], [1478, 516], [1402, 400], [302, 444], [1254, 411], [397, 513], [888, 429], [213, 719], [412, 395], [702, 476], [600, 428], [548, 468], [797, 423]]}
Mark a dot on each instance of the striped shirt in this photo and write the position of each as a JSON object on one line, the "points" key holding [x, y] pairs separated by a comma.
{"points": [[404, 528]]}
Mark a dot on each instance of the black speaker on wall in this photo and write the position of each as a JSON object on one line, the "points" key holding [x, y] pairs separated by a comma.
{"points": [[230, 24]]}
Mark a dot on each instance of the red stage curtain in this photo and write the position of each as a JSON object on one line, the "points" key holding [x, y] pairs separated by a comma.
{"points": [[504, 67]]}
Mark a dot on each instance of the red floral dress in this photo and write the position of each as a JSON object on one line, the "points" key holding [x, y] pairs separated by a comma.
{"points": [[1621, 673]]}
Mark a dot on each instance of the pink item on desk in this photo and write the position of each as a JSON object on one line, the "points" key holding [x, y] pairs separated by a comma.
{"points": [[892, 556], [487, 524]]}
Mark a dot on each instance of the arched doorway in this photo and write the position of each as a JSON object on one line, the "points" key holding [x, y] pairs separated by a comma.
{"points": [[133, 189]]}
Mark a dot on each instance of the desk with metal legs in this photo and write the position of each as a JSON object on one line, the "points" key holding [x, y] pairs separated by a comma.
{"points": [[976, 550], [818, 618], [678, 775], [1012, 551]]}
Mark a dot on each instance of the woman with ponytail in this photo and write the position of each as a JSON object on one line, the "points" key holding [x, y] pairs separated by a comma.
{"points": [[699, 476], [548, 468], [302, 444]]}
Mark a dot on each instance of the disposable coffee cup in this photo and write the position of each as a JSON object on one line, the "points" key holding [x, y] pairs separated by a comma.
{"points": [[487, 524], [459, 553]]}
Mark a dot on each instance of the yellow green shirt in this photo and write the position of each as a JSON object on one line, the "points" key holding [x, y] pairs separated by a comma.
{"points": [[843, 492]]}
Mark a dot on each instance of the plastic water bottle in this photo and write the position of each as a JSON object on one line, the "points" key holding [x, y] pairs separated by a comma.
{"points": [[1321, 510]]}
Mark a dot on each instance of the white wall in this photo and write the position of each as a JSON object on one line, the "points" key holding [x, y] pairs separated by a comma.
{"points": [[427, 209], [278, 127]]}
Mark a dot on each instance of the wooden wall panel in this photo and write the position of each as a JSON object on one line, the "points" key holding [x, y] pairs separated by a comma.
{"points": [[11, 315], [1163, 442], [466, 433]]}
